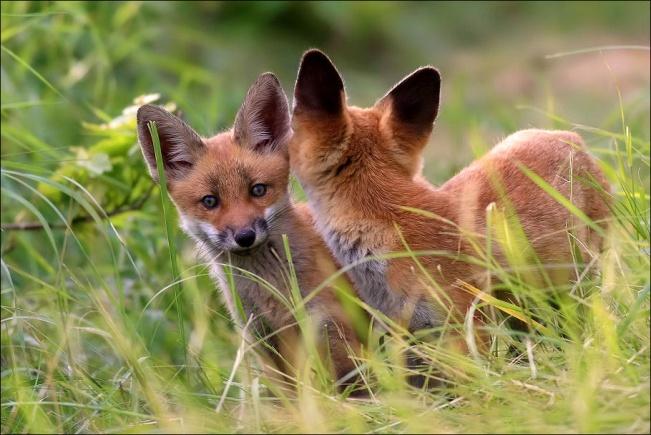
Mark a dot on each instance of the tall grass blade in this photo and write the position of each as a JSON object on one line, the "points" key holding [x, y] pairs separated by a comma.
{"points": [[169, 232]]}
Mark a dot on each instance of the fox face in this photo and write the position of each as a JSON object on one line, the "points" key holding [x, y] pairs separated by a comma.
{"points": [[227, 188], [231, 195], [336, 145]]}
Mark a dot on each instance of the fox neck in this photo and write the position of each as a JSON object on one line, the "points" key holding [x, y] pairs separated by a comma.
{"points": [[368, 233]]}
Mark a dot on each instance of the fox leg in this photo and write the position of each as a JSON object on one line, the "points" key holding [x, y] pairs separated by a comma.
{"points": [[279, 357], [427, 326], [341, 345]]}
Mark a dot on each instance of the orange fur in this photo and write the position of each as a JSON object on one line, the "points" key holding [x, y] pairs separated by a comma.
{"points": [[361, 167]]}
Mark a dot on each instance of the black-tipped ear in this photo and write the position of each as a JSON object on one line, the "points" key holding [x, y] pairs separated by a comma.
{"points": [[415, 100], [319, 87], [180, 145], [262, 123]]}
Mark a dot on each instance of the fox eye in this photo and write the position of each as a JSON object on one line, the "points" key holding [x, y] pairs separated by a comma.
{"points": [[258, 190], [210, 201]]}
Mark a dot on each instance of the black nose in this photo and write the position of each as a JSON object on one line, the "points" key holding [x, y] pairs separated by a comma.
{"points": [[245, 238]]}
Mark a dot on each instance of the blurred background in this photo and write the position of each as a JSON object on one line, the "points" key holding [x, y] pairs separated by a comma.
{"points": [[71, 71], [494, 58]]}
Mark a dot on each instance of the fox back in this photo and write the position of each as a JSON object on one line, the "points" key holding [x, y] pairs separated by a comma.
{"points": [[361, 169]]}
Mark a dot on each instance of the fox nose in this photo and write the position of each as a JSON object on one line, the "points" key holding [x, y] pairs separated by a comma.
{"points": [[245, 238]]}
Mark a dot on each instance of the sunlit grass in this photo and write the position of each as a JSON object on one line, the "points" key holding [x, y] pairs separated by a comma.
{"points": [[83, 361]]}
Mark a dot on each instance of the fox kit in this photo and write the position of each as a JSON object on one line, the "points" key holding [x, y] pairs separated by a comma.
{"points": [[231, 192], [361, 171]]}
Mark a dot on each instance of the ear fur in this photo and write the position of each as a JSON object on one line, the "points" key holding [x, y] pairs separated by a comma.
{"points": [[414, 101], [180, 144], [262, 123], [319, 88]]}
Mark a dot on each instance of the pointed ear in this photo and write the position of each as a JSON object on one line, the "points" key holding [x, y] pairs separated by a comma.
{"points": [[319, 88], [414, 102], [180, 145], [262, 123]]}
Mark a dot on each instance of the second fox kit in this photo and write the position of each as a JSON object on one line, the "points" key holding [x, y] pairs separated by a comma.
{"points": [[361, 167], [231, 192]]}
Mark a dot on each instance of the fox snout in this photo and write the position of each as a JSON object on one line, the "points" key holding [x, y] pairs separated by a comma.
{"points": [[239, 240], [250, 236], [245, 238]]}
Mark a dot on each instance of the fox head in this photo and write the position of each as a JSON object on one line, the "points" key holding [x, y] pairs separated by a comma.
{"points": [[231, 187], [336, 144]]}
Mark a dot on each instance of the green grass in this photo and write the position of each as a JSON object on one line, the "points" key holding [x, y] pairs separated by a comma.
{"points": [[110, 323]]}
